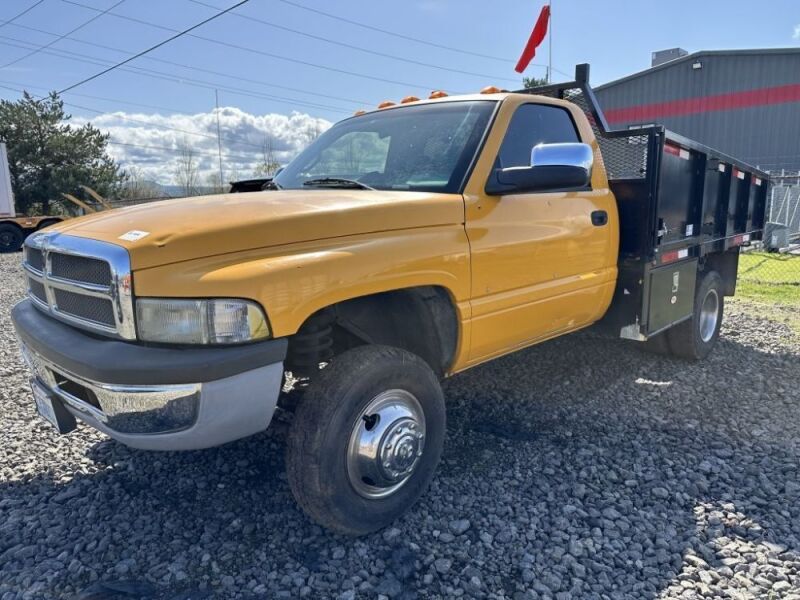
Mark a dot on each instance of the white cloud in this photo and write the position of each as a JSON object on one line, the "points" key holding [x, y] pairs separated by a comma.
{"points": [[796, 35], [153, 140]]}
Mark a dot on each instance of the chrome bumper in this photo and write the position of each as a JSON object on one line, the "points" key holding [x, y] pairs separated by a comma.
{"points": [[167, 417]]}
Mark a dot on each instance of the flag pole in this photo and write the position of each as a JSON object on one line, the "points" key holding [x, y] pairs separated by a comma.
{"points": [[550, 45]]}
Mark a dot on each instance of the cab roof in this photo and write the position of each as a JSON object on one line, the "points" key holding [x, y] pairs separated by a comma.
{"points": [[492, 97]]}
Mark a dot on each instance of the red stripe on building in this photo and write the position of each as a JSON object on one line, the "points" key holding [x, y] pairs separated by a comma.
{"points": [[702, 104]]}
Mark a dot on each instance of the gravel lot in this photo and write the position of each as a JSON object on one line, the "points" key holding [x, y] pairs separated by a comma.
{"points": [[582, 468]]}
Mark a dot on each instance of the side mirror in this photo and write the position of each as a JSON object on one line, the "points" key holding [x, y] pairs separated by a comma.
{"points": [[553, 167]]}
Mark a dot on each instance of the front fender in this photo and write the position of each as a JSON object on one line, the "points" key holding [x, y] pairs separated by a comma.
{"points": [[294, 281]]}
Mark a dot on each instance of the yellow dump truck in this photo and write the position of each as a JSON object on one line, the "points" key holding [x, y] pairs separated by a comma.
{"points": [[404, 245]]}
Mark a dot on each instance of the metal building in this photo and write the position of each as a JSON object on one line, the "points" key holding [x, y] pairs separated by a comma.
{"points": [[745, 103]]}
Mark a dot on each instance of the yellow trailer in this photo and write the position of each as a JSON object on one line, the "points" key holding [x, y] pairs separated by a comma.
{"points": [[14, 228]]}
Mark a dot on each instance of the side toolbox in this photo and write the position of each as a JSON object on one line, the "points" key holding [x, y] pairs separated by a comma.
{"points": [[670, 295]]}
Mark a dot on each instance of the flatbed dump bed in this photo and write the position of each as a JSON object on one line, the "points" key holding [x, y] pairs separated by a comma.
{"points": [[679, 202]]}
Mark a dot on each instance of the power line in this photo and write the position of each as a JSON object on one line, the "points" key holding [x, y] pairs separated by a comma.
{"points": [[22, 14], [61, 37], [263, 52], [181, 79], [200, 69], [354, 47], [394, 33], [151, 48], [102, 98], [404, 36]]}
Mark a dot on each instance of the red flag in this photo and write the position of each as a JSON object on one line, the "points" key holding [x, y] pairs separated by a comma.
{"points": [[537, 35]]}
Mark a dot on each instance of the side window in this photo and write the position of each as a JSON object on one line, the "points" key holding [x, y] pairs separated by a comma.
{"points": [[534, 124]]}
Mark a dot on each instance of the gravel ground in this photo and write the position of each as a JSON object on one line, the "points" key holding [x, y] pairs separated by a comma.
{"points": [[582, 468]]}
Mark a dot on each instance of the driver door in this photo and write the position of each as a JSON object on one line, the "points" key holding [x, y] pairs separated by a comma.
{"points": [[540, 266]]}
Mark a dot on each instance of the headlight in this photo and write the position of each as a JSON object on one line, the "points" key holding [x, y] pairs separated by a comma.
{"points": [[218, 321]]}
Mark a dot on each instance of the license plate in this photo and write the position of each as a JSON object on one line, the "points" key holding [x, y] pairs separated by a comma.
{"points": [[44, 403], [51, 409]]}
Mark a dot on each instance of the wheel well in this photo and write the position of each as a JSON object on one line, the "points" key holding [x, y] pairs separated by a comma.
{"points": [[12, 224], [422, 320]]}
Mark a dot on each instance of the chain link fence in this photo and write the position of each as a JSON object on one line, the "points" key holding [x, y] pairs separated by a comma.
{"points": [[783, 211], [771, 276], [770, 270]]}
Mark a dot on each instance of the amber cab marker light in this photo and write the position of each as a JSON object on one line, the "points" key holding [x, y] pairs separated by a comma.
{"points": [[386, 104], [437, 94], [358, 113], [408, 99], [491, 89]]}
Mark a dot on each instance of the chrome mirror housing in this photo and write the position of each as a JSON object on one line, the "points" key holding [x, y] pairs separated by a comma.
{"points": [[563, 155]]}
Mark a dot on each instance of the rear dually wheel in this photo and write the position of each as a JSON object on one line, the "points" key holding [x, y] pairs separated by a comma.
{"points": [[694, 338]]}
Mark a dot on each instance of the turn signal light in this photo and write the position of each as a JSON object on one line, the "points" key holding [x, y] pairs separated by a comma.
{"points": [[386, 104], [437, 94], [491, 89], [408, 99]]}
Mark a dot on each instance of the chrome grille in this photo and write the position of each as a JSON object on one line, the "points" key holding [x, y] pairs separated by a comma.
{"points": [[35, 258], [80, 268], [97, 310], [37, 289], [86, 283]]}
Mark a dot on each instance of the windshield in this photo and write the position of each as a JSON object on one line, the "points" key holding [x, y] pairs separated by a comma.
{"points": [[426, 147]]}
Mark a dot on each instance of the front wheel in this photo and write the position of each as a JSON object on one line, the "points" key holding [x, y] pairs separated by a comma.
{"points": [[366, 439], [694, 338]]}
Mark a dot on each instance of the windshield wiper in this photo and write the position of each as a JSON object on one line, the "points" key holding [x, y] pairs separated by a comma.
{"points": [[337, 182]]}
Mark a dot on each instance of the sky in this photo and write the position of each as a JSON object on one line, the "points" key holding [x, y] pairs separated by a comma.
{"points": [[287, 69]]}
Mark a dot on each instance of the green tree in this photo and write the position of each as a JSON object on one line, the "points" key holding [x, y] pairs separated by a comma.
{"points": [[532, 82], [47, 156]]}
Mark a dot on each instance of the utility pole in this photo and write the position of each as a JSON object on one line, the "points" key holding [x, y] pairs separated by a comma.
{"points": [[219, 137]]}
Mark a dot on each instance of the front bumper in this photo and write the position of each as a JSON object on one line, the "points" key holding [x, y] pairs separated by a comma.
{"points": [[153, 398]]}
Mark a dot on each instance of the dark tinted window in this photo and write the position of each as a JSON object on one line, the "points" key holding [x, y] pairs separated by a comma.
{"points": [[534, 124]]}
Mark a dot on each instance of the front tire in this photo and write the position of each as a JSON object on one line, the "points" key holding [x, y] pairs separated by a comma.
{"points": [[366, 439], [696, 337]]}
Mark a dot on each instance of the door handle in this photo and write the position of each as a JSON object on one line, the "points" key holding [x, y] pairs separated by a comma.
{"points": [[599, 218]]}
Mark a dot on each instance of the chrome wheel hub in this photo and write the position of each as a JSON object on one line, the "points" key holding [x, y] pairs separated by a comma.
{"points": [[709, 315], [386, 444]]}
